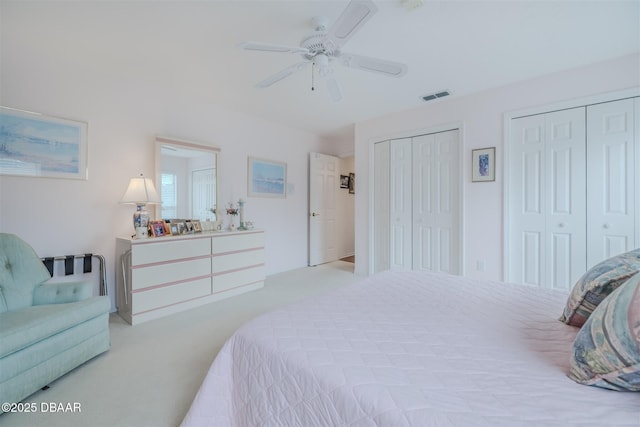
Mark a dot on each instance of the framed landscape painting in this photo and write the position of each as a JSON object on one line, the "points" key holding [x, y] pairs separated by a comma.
{"points": [[33, 144], [266, 178]]}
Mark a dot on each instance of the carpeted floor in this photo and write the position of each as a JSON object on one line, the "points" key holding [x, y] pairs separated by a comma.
{"points": [[153, 370]]}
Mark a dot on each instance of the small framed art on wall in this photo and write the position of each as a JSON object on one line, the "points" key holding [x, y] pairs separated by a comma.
{"points": [[483, 161]]}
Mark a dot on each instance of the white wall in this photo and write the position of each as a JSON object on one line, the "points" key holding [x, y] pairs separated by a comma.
{"points": [[61, 216], [482, 118]]}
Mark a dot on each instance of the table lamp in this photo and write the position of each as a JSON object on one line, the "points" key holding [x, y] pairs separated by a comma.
{"points": [[141, 192]]}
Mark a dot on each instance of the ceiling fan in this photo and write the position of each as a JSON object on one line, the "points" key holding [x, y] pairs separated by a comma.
{"points": [[323, 47]]}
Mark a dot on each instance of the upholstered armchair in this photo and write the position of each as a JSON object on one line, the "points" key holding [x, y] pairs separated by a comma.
{"points": [[46, 329]]}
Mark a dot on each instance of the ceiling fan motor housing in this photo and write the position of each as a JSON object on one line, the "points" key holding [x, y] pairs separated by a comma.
{"points": [[315, 44]]}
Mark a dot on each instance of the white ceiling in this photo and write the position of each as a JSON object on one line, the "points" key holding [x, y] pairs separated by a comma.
{"points": [[187, 50]]}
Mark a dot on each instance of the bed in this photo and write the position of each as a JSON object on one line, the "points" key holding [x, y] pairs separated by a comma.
{"points": [[408, 349]]}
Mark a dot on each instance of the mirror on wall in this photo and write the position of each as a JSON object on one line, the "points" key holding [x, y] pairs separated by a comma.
{"points": [[187, 179]]}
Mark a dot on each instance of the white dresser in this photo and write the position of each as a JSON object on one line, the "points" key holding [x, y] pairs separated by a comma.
{"points": [[160, 276]]}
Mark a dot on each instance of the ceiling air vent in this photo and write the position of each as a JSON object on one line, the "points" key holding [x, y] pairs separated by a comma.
{"points": [[436, 95]]}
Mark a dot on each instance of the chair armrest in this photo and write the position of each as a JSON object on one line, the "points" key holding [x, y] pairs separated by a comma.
{"points": [[60, 293]]}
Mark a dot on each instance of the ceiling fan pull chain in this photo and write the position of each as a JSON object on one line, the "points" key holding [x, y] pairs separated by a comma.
{"points": [[313, 64]]}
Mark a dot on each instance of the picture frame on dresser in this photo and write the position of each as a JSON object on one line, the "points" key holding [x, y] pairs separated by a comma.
{"points": [[181, 227], [167, 228], [157, 228], [174, 228], [177, 226]]}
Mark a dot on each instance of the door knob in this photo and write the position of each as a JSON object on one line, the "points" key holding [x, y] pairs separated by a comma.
{"points": [[605, 226], [315, 214]]}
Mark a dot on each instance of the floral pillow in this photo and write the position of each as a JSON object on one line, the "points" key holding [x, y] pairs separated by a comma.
{"points": [[596, 284], [606, 351]]}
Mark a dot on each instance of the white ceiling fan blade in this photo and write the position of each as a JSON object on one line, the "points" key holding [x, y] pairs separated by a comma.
{"points": [[355, 15], [268, 47], [281, 75], [380, 66], [334, 91]]}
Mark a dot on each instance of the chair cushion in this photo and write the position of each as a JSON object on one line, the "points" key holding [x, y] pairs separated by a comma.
{"points": [[62, 292], [606, 351], [24, 327], [20, 271], [594, 286]]}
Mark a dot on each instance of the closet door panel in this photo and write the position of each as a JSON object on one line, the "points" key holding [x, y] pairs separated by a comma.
{"points": [[448, 208], [381, 233], [565, 192], [400, 188], [435, 202], [425, 202], [527, 206], [612, 184]]}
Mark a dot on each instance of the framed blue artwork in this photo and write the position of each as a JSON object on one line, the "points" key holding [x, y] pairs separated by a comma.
{"points": [[266, 178], [483, 162], [33, 144]]}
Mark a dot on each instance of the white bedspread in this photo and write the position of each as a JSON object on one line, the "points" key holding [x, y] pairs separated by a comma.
{"points": [[408, 349]]}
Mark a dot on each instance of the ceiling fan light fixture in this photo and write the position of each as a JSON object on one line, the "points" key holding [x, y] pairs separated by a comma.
{"points": [[322, 62]]}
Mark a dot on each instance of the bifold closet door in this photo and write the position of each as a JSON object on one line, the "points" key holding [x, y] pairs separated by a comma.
{"points": [[400, 209], [435, 202], [423, 203], [547, 200], [611, 179]]}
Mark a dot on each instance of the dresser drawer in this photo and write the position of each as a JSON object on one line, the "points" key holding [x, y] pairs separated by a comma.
{"points": [[237, 260], [170, 250], [225, 281], [145, 277], [169, 295], [237, 242]]}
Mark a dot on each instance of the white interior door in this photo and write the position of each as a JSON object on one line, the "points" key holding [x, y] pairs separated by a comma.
{"points": [[435, 202], [612, 146], [547, 196], [323, 184], [400, 210]]}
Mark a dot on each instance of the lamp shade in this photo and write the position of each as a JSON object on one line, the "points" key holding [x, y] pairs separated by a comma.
{"points": [[140, 191]]}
